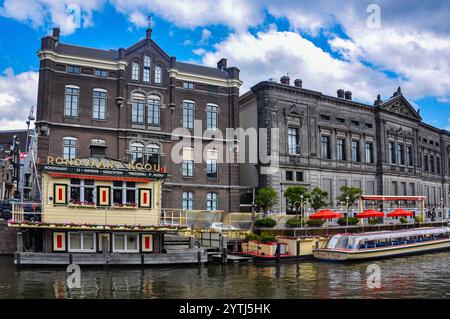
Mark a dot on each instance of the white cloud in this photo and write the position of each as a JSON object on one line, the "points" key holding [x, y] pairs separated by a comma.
{"points": [[67, 14], [206, 35], [18, 92], [273, 54]]}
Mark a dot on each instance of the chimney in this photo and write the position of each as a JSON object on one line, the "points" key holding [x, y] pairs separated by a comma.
{"points": [[148, 33], [56, 32], [378, 101], [298, 83], [121, 53], [340, 93], [348, 95], [222, 64], [285, 80]]}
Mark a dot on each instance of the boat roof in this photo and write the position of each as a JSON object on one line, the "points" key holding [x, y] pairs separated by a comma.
{"points": [[399, 233]]}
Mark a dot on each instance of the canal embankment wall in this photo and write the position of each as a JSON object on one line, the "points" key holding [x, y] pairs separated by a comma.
{"points": [[8, 239]]}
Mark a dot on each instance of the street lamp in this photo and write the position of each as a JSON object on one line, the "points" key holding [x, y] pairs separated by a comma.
{"points": [[347, 199]]}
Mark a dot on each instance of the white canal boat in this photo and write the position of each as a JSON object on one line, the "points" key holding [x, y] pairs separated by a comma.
{"points": [[384, 244]]}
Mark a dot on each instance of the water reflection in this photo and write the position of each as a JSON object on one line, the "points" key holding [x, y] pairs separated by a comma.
{"points": [[412, 277]]}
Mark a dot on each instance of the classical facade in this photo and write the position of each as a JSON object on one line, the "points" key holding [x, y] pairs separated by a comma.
{"points": [[333, 141], [124, 104]]}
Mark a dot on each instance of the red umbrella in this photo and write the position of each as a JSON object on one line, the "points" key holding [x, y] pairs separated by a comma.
{"points": [[369, 214], [400, 213], [325, 214]]}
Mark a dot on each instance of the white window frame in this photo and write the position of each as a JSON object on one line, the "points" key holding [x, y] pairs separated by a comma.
{"points": [[139, 99], [154, 109], [212, 113], [135, 70], [99, 98], [126, 250], [188, 112], [74, 106], [71, 156], [82, 250], [158, 74]]}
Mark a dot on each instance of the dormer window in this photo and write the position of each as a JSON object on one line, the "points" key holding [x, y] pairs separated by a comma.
{"points": [[147, 68], [135, 71]]}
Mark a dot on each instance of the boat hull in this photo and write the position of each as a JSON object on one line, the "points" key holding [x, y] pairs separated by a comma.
{"points": [[380, 253]]}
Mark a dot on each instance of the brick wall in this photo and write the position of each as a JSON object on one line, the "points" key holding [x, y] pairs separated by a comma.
{"points": [[8, 237]]}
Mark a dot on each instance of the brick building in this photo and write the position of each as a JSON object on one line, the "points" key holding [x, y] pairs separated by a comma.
{"points": [[124, 104]]}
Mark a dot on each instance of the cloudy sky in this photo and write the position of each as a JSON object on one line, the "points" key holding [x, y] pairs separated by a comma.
{"points": [[358, 46]]}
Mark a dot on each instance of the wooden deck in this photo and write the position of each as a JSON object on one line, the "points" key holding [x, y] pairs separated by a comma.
{"points": [[173, 257]]}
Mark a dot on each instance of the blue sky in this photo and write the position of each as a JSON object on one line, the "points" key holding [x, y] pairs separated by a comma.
{"points": [[329, 45]]}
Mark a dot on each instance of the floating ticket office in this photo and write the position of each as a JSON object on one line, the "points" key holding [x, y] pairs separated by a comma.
{"points": [[94, 210]]}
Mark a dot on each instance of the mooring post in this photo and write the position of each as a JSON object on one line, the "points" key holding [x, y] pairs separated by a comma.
{"points": [[278, 252], [19, 242], [105, 247], [224, 249], [298, 247], [191, 242]]}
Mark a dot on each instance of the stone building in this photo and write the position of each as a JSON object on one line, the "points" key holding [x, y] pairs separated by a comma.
{"points": [[333, 141], [124, 104]]}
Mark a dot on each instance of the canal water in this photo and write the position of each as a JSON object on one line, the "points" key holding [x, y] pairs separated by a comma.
{"points": [[424, 276]]}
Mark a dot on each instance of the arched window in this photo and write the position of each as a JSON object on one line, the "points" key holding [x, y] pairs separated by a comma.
{"points": [[158, 74], [99, 105], [211, 117], [188, 114], [69, 147], [137, 153], [153, 153], [135, 71], [147, 68], [138, 109], [71, 101], [154, 105]]}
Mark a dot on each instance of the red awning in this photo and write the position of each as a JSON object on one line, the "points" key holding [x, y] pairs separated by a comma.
{"points": [[325, 214], [370, 214], [101, 178], [400, 213]]}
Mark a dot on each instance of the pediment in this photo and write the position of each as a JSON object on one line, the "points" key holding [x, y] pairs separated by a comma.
{"points": [[401, 106], [147, 44]]}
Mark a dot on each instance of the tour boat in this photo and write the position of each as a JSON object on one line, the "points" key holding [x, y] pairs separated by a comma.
{"points": [[384, 244]]}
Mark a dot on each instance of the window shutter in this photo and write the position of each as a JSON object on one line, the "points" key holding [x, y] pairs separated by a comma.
{"points": [[145, 197], [103, 196], [60, 194]]}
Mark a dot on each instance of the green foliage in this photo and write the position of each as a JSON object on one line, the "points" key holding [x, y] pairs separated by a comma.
{"points": [[263, 238], [317, 199], [295, 222], [315, 222], [266, 222], [294, 195], [403, 220], [373, 221], [418, 219], [353, 194], [266, 198], [351, 221]]}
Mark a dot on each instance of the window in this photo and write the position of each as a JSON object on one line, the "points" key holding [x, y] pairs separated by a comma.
{"points": [[438, 165], [325, 147], [98, 147], [137, 153], [137, 111], [188, 114], [409, 155], [187, 166], [188, 85], [211, 117], [211, 201], [324, 117], [153, 110], [135, 71], [81, 242], [299, 176], [391, 152], [211, 164], [147, 68], [124, 193], [73, 69], [153, 154], [401, 154], [125, 243], [69, 147], [355, 123], [289, 176], [369, 153], [188, 200], [432, 163], [99, 108], [158, 74], [212, 88], [101, 73], [340, 149], [82, 191], [426, 162], [71, 101], [293, 141], [356, 157], [340, 120]]}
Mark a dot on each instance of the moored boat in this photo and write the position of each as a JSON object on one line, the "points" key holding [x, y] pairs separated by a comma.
{"points": [[346, 247]]}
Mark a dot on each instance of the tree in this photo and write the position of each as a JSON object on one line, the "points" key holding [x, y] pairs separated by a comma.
{"points": [[317, 199], [266, 198], [352, 193], [294, 195]]}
